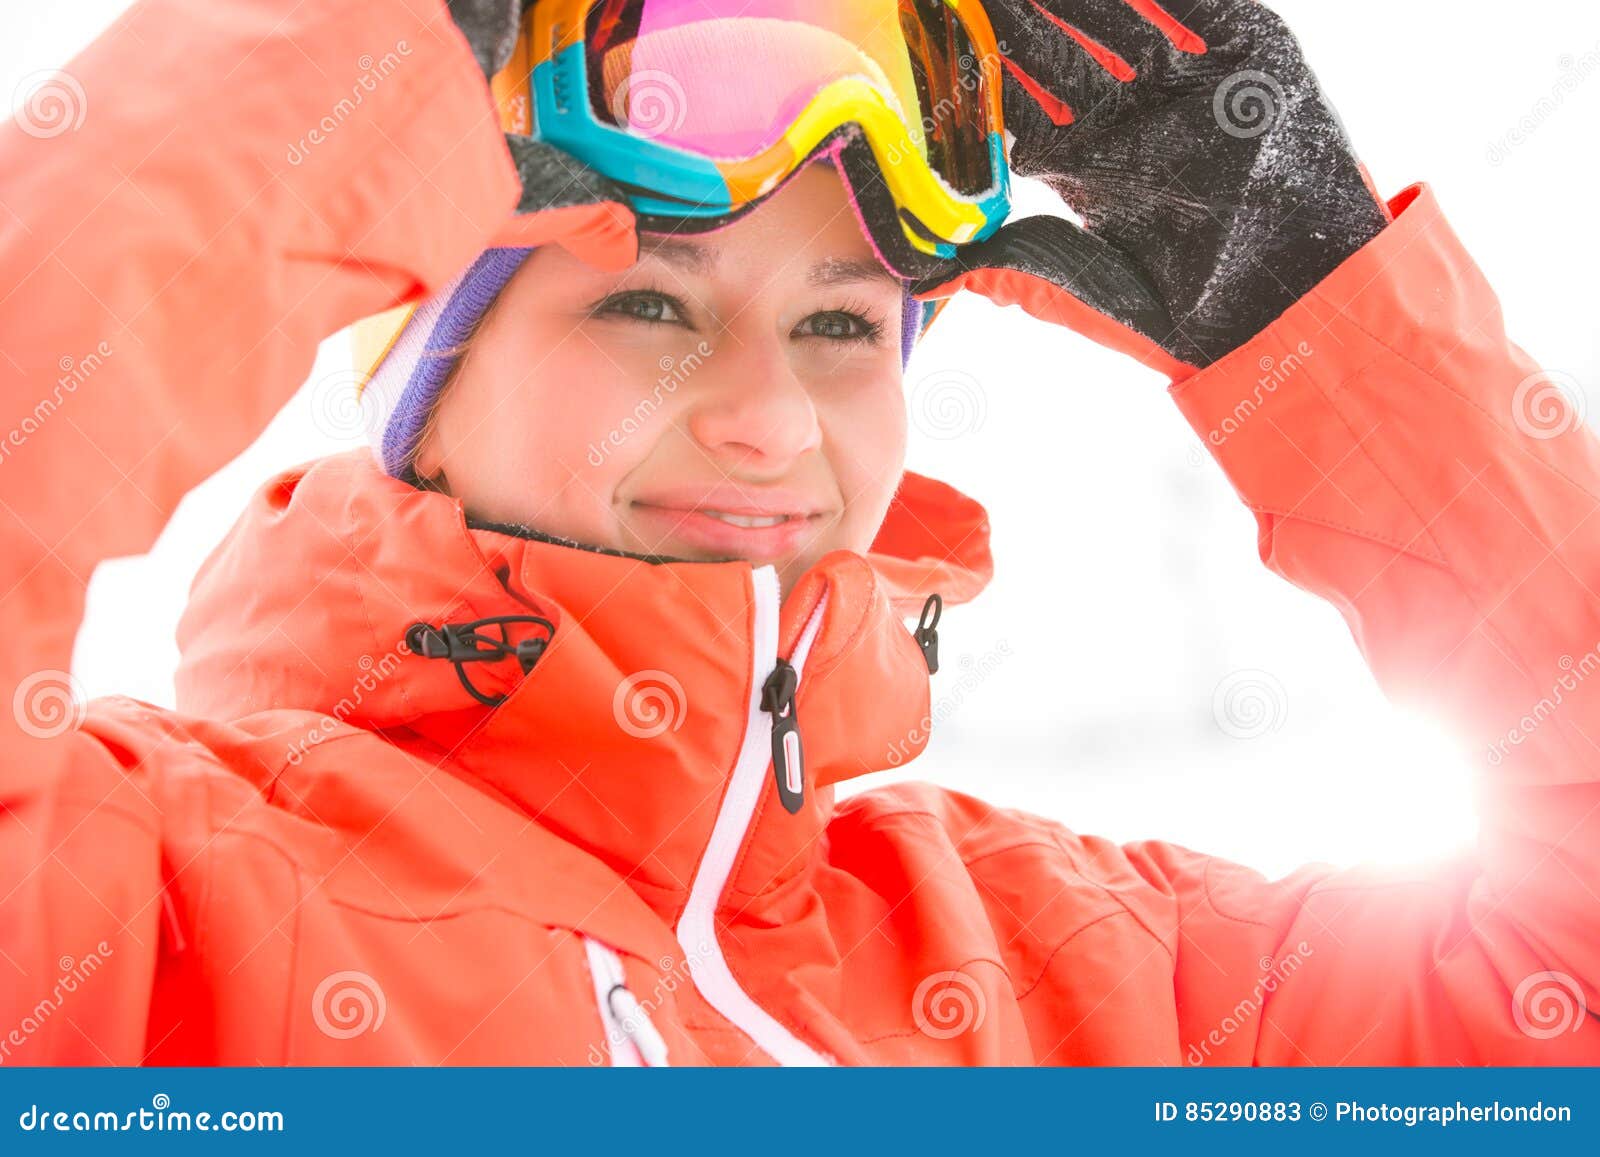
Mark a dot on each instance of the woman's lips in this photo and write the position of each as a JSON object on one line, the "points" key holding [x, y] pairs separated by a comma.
{"points": [[747, 533]]}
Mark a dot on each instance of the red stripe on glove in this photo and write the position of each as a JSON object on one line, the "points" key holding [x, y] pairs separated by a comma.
{"points": [[1058, 111], [1170, 27], [1103, 56]]}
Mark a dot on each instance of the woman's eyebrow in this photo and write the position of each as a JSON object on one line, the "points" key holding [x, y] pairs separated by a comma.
{"points": [[690, 256], [836, 270], [699, 258]]}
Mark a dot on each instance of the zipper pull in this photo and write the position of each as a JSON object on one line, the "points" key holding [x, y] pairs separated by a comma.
{"points": [[788, 762], [927, 632]]}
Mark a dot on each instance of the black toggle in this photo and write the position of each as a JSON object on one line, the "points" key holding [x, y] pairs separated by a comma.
{"points": [[927, 632], [461, 643]]}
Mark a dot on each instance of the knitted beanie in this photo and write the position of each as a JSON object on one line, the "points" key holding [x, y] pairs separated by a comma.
{"points": [[399, 397]]}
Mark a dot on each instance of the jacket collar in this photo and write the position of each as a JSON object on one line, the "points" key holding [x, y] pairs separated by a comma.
{"points": [[623, 737]]}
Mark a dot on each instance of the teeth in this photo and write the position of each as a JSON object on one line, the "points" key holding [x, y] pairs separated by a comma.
{"points": [[747, 521]]}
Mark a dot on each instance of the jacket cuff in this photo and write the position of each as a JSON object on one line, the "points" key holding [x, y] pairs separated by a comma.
{"points": [[426, 179], [1289, 415]]}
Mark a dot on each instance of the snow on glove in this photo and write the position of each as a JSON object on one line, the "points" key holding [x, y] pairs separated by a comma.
{"points": [[1216, 184]]}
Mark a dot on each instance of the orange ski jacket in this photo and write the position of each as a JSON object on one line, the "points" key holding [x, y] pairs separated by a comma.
{"points": [[332, 853]]}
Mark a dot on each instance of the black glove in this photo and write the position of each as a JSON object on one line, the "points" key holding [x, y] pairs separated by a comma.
{"points": [[554, 179], [1216, 184], [491, 28], [551, 178]]}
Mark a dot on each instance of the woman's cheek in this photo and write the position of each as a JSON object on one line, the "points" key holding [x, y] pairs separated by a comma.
{"points": [[586, 402], [867, 423], [613, 411]]}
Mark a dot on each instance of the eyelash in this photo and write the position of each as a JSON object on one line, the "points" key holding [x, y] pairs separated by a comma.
{"points": [[870, 330]]}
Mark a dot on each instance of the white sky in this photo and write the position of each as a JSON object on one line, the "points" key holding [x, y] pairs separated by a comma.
{"points": [[1128, 585]]}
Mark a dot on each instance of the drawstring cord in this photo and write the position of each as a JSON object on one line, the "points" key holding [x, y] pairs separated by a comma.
{"points": [[636, 1025], [462, 643]]}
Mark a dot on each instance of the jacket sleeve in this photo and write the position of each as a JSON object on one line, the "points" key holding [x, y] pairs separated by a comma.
{"points": [[214, 189], [1408, 463]]}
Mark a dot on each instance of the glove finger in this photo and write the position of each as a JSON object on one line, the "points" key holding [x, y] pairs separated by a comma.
{"points": [[1065, 275], [1192, 25], [1047, 68], [565, 201], [553, 178], [1038, 145], [490, 27], [1140, 32]]}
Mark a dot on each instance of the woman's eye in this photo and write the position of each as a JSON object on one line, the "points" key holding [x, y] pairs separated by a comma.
{"points": [[840, 325], [647, 307]]}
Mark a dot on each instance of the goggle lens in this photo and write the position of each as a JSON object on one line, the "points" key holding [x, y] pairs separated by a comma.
{"points": [[726, 79]]}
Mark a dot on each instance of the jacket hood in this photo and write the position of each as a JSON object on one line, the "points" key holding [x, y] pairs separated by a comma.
{"points": [[622, 736]]}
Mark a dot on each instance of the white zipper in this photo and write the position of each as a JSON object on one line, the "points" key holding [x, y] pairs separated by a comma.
{"points": [[631, 1039], [697, 930]]}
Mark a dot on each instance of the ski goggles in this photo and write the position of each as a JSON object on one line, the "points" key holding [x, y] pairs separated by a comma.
{"points": [[700, 108]]}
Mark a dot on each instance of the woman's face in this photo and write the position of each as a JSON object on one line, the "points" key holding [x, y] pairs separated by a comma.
{"points": [[733, 395]]}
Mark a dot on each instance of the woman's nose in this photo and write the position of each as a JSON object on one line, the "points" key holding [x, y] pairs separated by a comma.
{"points": [[750, 410]]}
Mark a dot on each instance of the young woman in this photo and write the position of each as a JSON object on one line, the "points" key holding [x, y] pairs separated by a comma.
{"points": [[515, 742]]}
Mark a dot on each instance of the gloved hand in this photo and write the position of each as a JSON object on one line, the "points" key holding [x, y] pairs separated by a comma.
{"points": [[1216, 184], [562, 199], [565, 201], [491, 28]]}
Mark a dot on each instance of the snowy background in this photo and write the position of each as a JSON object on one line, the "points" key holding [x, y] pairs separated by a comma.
{"points": [[1128, 589]]}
